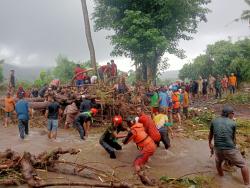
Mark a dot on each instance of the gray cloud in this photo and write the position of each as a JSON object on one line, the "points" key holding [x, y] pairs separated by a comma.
{"points": [[34, 32]]}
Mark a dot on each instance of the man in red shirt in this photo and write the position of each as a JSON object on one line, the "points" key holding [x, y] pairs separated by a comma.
{"points": [[79, 77], [113, 68], [148, 125]]}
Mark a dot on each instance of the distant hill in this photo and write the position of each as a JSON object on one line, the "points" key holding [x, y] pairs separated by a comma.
{"points": [[22, 73], [170, 75]]}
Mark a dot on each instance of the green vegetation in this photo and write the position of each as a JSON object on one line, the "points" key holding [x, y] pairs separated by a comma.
{"points": [[146, 31], [185, 182], [238, 98], [221, 58]]}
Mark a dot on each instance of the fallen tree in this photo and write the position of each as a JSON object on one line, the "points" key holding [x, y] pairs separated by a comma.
{"points": [[19, 169]]}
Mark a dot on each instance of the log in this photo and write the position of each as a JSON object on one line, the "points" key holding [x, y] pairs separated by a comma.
{"points": [[113, 185], [28, 172]]}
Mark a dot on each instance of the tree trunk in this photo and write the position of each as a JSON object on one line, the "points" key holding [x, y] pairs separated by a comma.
{"points": [[88, 35]]}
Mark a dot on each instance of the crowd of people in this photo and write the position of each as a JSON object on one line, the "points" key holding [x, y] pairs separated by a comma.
{"points": [[215, 86], [146, 130]]}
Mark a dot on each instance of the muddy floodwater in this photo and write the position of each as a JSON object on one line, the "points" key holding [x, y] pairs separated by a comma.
{"points": [[184, 157]]}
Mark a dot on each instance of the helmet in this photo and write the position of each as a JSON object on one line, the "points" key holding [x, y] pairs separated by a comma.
{"points": [[93, 111], [117, 120], [227, 110]]}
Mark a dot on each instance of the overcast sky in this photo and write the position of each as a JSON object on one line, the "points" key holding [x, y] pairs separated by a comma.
{"points": [[34, 32]]}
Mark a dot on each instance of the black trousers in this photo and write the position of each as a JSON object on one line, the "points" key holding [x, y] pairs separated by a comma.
{"points": [[109, 145], [164, 138]]}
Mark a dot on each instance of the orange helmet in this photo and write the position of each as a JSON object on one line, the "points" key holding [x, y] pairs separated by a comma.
{"points": [[93, 111], [117, 120]]}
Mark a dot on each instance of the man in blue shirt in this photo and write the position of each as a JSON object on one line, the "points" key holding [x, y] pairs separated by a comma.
{"points": [[164, 100], [22, 110]]}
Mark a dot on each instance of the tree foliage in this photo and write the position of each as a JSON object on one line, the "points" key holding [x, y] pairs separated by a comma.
{"points": [[221, 58], [145, 30], [64, 69]]}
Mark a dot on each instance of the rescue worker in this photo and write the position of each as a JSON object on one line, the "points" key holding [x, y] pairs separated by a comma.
{"points": [[148, 125], [83, 121], [143, 141], [109, 138]]}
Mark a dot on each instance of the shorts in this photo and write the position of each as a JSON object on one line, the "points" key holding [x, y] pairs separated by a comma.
{"points": [[52, 125], [176, 110], [232, 155], [79, 82], [8, 114]]}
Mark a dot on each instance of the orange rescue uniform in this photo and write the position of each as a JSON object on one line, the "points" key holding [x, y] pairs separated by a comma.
{"points": [[144, 142], [150, 127]]}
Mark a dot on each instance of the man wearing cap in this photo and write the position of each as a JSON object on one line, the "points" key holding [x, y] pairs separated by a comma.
{"points": [[22, 110], [109, 138], [223, 130]]}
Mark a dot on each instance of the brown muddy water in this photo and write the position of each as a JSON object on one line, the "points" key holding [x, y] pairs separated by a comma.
{"points": [[184, 157]]}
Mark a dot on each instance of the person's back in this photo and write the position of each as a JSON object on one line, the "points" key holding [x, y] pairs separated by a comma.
{"points": [[85, 105], [53, 110], [223, 130], [164, 100], [22, 110], [150, 127]]}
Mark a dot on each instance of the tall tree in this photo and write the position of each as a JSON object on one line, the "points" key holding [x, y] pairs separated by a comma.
{"points": [[145, 29], [88, 35]]}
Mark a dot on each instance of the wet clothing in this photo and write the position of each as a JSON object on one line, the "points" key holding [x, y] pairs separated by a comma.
{"points": [[160, 121], [53, 110], [86, 105], [223, 130], [23, 126], [232, 155], [80, 120], [143, 141], [52, 125], [109, 142], [22, 110], [150, 127]]}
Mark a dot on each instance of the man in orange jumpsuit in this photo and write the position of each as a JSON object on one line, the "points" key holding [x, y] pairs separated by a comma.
{"points": [[143, 141], [232, 82], [149, 125]]}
